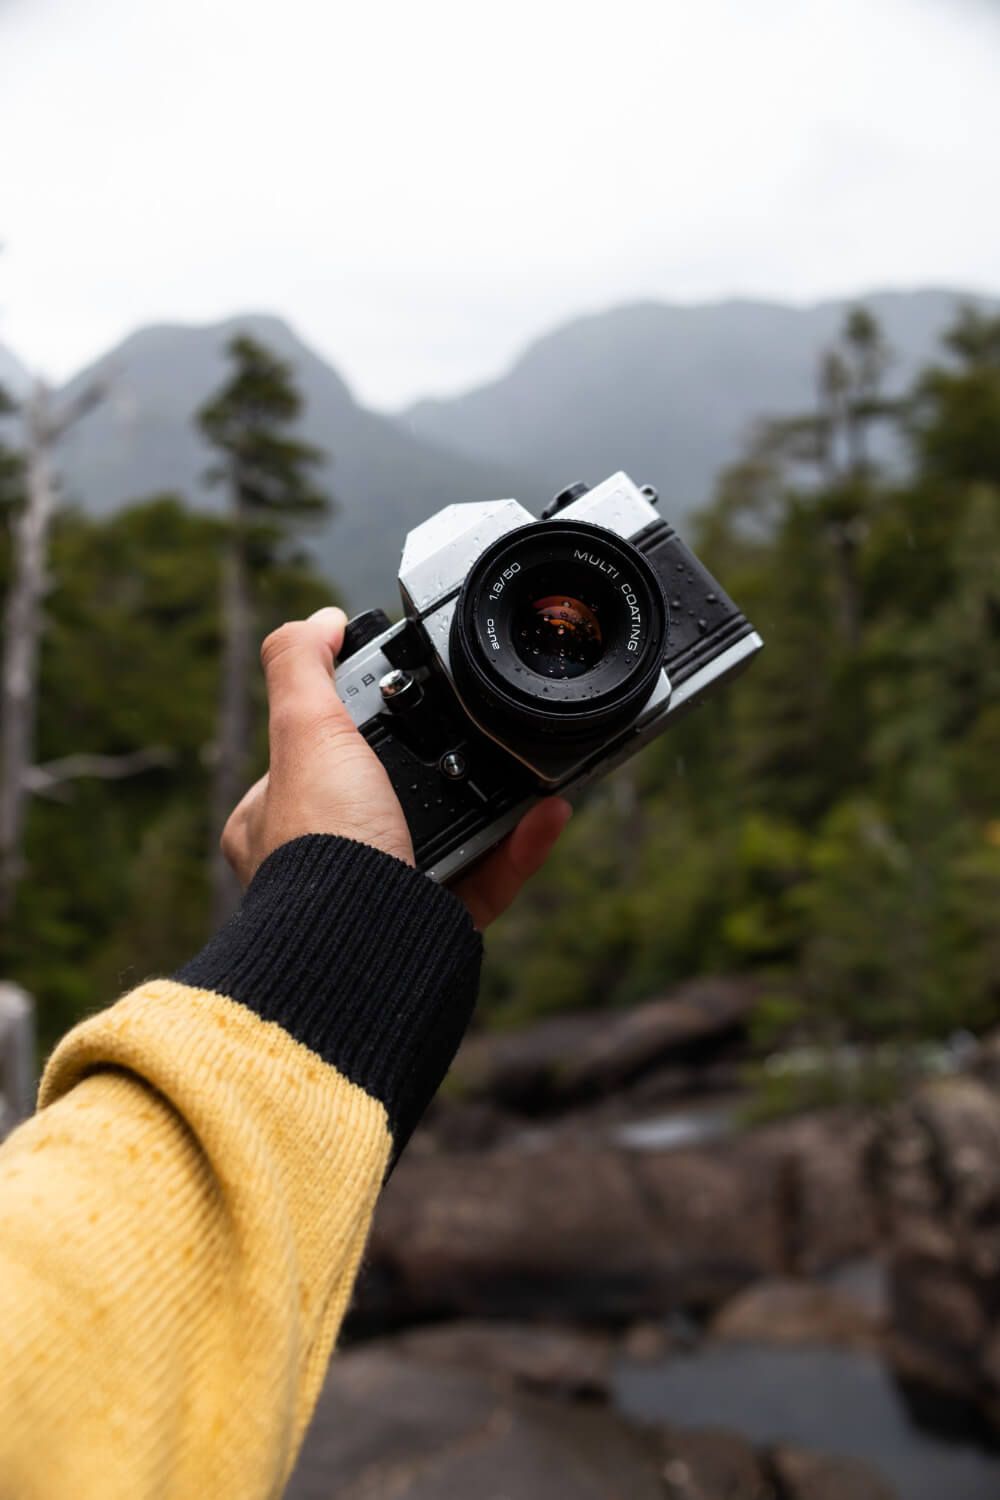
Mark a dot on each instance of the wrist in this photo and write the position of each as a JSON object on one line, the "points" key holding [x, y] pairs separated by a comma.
{"points": [[361, 958]]}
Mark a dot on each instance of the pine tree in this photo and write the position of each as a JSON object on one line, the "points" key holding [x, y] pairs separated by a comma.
{"points": [[266, 472]]}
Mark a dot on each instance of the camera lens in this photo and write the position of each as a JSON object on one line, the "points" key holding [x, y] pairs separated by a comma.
{"points": [[558, 637], [559, 630]]}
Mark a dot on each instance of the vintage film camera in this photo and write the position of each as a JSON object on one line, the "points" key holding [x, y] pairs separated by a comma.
{"points": [[533, 656]]}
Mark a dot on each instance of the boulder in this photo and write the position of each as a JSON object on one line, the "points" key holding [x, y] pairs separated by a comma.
{"points": [[936, 1175], [571, 1231], [786, 1311], [830, 1212], [388, 1427], [588, 1055], [394, 1422], [815, 1476], [571, 1228]]}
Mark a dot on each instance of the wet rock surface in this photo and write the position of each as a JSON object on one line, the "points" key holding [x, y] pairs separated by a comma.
{"points": [[936, 1174], [577, 1229], [391, 1428], [396, 1421], [545, 1233], [557, 1063], [714, 1464]]}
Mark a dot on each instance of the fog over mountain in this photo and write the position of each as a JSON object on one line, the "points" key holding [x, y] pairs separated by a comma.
{"points": [[667, 392]]}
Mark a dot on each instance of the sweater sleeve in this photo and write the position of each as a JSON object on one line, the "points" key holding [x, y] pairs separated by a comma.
{"points": [[182, 1222]]}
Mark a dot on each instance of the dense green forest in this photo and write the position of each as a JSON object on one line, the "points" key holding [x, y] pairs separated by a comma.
{"points": [[831, 822]]}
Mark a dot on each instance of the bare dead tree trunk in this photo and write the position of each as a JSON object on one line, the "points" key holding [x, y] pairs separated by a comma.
{"points": [[22, 638], [846, 543], [234, 704]]}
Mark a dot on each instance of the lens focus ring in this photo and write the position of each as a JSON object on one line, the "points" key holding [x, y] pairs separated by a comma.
{"points": [[559, 630]]}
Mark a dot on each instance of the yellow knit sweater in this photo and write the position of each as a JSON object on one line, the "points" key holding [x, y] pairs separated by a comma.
{"points": [[182, 1222]]}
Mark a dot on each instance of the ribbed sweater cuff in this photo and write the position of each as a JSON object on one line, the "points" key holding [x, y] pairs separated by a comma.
{"points": [[361, 958]]}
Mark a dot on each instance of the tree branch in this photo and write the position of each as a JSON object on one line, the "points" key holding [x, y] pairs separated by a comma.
{"points": [[50, 779]]}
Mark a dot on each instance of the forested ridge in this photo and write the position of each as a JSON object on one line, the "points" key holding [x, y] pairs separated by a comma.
{"points": [[830, 822]]}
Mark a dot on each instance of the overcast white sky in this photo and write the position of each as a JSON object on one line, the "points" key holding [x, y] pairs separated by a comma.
{"points": [[423, 185]]}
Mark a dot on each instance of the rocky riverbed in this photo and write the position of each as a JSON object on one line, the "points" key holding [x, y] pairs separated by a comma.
{"points": [[557, 1302]]}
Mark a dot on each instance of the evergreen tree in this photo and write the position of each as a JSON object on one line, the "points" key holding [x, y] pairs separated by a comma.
{"points": [[267, 474], [130, 660], [831, 822]]}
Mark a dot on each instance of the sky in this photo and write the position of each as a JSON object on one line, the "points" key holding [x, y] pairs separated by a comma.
{"points": [[423, 186]]}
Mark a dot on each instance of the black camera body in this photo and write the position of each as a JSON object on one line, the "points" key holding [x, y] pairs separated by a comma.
{"points": [[533, 656]]}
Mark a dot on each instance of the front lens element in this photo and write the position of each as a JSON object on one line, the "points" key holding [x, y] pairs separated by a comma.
{"points": [[557, 636], [559, 631]]}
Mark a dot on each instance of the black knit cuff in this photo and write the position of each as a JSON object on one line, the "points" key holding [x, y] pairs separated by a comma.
{"points": [[359, 957]]}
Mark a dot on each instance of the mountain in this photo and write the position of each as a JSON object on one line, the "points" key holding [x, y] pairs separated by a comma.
{"points": [[14, 377], [665, 391], [140, 440]]}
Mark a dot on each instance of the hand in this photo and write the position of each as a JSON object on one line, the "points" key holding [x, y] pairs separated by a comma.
{"points": [[325, 778]]}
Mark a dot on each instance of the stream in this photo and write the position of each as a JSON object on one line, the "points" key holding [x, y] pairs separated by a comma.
{"points": [[835, 1400]]}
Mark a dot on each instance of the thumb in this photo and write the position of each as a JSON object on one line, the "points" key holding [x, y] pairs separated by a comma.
{"points": [[298, 666]]}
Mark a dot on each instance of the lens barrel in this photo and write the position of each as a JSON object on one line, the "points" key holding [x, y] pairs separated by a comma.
{"points": [[559, 631]]}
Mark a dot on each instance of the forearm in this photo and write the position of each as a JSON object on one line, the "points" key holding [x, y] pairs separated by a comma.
{"points": [[183, 1221]]}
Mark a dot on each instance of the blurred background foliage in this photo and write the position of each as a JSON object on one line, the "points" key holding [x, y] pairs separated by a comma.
{"points": [[829, 823]]}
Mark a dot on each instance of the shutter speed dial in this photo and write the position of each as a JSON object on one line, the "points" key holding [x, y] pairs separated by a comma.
{"points": [[362, 629]]}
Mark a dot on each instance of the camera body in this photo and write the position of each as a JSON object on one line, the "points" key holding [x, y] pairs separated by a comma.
{"points": [[533, 656]]}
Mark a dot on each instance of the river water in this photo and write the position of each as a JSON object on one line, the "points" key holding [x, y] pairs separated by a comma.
{"points": [[832, 1400]]}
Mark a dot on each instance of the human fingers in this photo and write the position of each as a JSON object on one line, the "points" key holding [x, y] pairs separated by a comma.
{"points": [[491, 887], [298, 666]]}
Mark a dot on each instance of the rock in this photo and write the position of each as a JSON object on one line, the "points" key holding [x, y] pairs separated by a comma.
{"points": [[814, 1476], [712, 1464], [784, 1311], [588, 1055], [394, 1423], [717, 1214], [563, 1361], [571, 1228], [572, 1232], [390, 1428], [936, 1174], [830, 1212]]}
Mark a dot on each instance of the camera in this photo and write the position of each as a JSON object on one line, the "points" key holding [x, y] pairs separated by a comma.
{"points": [[532, 657]]}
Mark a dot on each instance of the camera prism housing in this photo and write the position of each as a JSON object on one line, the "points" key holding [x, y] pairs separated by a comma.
{"points": [[533, 657]]}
